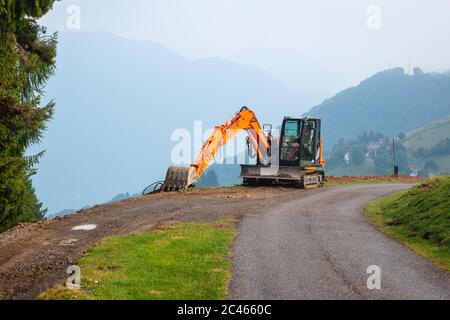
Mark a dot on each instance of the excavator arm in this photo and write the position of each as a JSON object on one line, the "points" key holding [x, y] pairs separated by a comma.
{"points": [[245, 119], [182, 177]]}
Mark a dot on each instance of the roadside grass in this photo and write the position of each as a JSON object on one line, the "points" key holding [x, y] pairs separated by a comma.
{"points": [[418, 218], [182, 261]]}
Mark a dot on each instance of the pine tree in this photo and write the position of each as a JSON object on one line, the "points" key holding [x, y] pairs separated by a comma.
{"points": [[27, 60]]}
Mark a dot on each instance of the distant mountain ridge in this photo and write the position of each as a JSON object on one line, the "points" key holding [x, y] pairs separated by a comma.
{"points": [[119, 101], [389, 102]]}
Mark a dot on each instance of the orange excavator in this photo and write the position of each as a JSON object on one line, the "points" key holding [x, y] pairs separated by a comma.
{"points": [[294, 158]]}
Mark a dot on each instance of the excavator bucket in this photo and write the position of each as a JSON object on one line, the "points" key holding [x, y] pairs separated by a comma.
{"points": [[179, 178]]}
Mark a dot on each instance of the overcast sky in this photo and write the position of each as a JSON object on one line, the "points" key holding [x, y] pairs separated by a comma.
{"points": [[313, 45]]}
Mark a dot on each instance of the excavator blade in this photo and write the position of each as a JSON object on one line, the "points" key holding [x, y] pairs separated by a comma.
{"points": [[179, 178]]}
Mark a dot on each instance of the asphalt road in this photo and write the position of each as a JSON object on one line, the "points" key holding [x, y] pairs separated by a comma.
{"points": [[320, 245]]}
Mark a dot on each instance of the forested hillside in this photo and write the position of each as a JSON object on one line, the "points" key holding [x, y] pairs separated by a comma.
{"points": [[390, 102], [423, 152], [429, 148], [27, 60]]}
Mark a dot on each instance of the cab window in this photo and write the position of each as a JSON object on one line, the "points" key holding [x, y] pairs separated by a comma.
{"points": [[290, 144]]}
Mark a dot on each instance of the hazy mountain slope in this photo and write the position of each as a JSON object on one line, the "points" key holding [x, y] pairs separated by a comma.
{"points": [[221, 175], [429, 147], [119, 101], [389, 102], [424, 151], [428, 136]]}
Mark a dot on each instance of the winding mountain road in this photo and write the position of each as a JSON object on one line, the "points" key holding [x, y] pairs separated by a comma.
{"points": [[319, 246]]}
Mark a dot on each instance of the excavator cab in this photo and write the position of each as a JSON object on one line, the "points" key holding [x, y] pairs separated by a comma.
{"points": [[299, 157], [300, 142]]}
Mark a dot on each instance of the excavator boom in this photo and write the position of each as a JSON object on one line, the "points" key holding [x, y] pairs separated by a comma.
{"points": [[182, 177]]}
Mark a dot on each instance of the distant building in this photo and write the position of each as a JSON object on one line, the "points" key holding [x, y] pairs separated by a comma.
{"points": [[414, 173], [347, 158], [373, 147]]}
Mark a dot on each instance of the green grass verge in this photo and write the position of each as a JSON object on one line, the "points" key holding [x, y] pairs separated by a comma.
{"points": [[419, 218], [183, 261]]}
